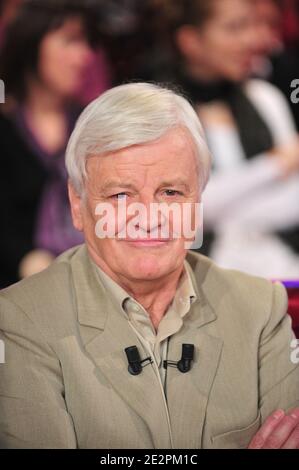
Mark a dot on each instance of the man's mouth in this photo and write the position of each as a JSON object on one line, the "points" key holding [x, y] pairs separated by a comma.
{"points": [[148, 242]]}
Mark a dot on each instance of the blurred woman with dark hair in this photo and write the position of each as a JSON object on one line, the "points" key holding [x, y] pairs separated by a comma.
{"points": [[250, 204], [46, 51]]}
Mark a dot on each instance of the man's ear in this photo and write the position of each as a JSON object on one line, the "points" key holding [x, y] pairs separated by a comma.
{"points": [[187, 39], [76, 207]]}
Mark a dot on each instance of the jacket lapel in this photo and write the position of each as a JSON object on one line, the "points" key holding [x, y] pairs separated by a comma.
{"points": [[188, 393], [106, 333]]}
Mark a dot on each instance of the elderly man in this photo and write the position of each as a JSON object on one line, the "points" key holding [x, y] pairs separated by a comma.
{"points": [[134, 341]]}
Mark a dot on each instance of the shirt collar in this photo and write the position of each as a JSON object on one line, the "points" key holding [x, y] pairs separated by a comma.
{"points": [[185, 291]]}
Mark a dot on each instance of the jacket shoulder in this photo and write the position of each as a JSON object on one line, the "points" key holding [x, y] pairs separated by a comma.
{"points": [[232, 292], [45, 296]]}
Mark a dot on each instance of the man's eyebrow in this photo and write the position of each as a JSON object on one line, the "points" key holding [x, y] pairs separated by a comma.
{"points": [[167, 183], [116, 184], [175, 182]]}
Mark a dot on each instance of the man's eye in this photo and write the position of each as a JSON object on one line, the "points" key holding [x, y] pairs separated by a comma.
{"points": [[172, 192], [119, 196]]}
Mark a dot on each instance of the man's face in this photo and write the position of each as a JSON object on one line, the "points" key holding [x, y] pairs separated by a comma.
{"points": [[164, 171]]}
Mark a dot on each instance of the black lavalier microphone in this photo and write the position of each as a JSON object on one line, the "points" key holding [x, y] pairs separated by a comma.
{"points": [[184, 364], [134, 360]]}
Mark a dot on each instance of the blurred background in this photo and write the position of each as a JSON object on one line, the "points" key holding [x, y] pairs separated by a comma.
{"points": [[234, 60]]}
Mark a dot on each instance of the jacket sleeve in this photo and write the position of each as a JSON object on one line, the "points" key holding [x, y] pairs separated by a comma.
{"points": [[33, 412], [278, 374]]}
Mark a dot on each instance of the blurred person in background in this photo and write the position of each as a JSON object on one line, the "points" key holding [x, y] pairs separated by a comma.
{"points": [[251, 202], [276, 61], [47, 48]]}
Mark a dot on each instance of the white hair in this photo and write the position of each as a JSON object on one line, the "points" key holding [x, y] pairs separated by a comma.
{"points": [[132, 114]]}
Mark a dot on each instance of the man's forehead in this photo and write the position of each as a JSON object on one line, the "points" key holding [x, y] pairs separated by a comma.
{"points": [[175, 141], [172, 158]]}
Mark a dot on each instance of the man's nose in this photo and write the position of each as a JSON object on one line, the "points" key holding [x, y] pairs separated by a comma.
{"points": [[146, 221], [147, 197]]}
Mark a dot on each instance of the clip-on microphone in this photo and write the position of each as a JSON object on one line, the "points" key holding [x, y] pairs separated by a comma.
{"points": [[184, 364], [134, 360]]}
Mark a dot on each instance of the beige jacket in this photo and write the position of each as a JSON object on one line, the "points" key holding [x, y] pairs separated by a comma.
{"points": [[65, 382]]}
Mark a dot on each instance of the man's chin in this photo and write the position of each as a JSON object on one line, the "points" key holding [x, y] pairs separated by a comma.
{"points": [[150, 267]]}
